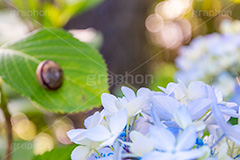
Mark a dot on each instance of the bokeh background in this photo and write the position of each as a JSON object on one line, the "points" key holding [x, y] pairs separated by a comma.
{"points": [[139, 39]]}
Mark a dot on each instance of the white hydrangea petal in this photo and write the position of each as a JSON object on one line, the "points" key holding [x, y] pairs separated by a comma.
{"points": [[88, 143], [183, 117], [181, 91], [109, 142], [155, 155], [199, 107], [171, 87], [165, 106], [118, 121], [108, 102], [143, 92], [106, 152], [186, 155], [80, 153], [187, 139], [97, 134], [200, 125], [142, 125], [155, 117], [135, 106], [128, 93], [76, 135], [135, 135], [230, 104], [219, 95], [211, 94], [93, 120], [206, 152], [141, 144], [162, 138], [196, 90]]}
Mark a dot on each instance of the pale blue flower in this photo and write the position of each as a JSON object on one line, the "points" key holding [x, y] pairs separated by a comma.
{"points": [[183, 94], [105, 135], [183, 118], [168, 125], [140, 144], [169, 148], [226, 108], [213, 58], [232, 132], [166, 106], [130, 101], [77, 135], [82, 153]]}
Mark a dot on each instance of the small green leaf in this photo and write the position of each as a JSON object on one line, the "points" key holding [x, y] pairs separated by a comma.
{"points": [[85, 72], [63, 153]]}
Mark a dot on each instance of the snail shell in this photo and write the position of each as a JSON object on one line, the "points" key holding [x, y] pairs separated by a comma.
{"points": [[49, 75]]}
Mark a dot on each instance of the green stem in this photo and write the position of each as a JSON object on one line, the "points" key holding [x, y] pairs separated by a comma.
{"points": [[97, 153], [233, 146], [112, 148], [134, 122], [7, 115]]}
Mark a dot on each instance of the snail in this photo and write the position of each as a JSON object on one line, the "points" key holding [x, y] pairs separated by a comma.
{"points": [[49, 75]]}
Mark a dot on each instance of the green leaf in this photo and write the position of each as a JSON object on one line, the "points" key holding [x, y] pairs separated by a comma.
{"points": [[65, 10], [85, 72], [63, 153], [52, 13], [21, 150]]}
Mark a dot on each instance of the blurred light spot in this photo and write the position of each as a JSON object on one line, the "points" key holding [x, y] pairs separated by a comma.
{"points": [[186, 30], [154, 23], [22, 127], [25, 129], [61, 127], [18, 117], [43, 143], [61, 133], [21, 105], [85, 35], [89, 35], [11, 26], [171, 36], [172, 9], [166, 27], [219, 19]]}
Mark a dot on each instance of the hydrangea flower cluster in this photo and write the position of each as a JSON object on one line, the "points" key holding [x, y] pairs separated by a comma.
{"points": [[174, 123], [214, 58]]}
